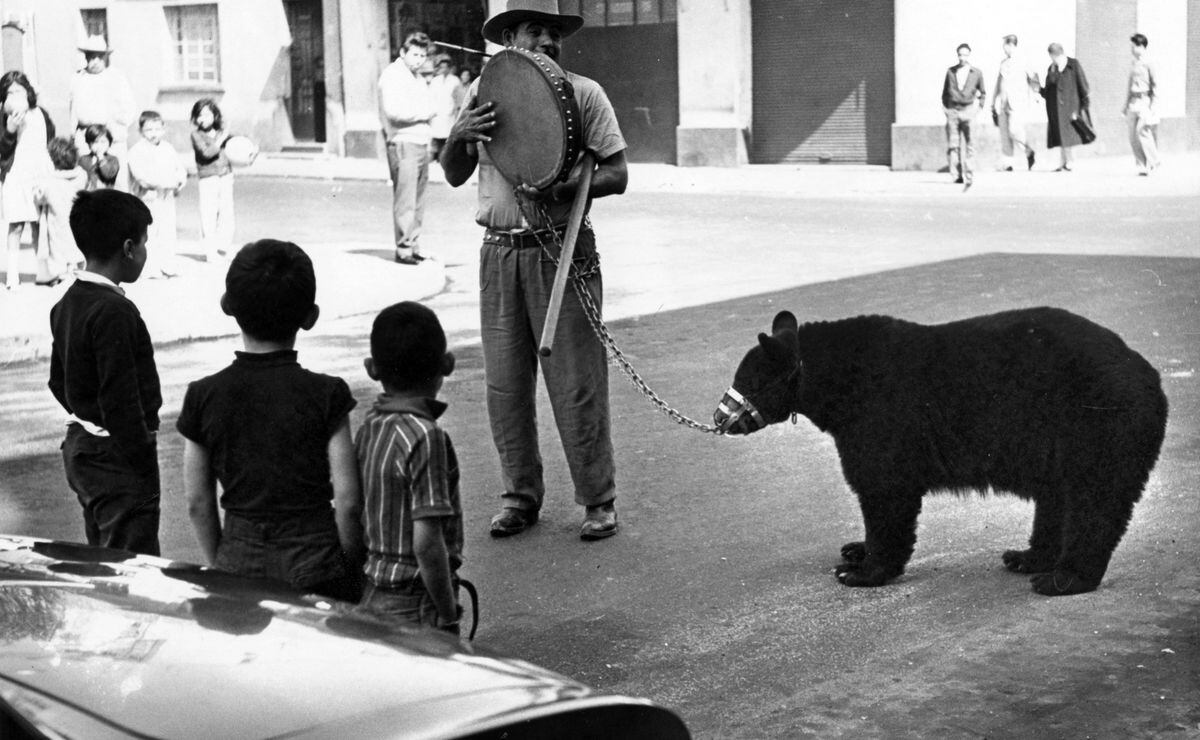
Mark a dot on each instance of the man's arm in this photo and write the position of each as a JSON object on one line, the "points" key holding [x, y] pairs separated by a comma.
{"points": [[459, 156], [610, 177], [347, 492], [200, 487], [433, 561], [399, 105]]}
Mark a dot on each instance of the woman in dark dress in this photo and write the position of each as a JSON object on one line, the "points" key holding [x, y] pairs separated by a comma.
{"points": [[1066, 94]]}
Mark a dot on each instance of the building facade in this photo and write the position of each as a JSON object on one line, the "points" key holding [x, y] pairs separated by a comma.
{"points": [[694, 82]]}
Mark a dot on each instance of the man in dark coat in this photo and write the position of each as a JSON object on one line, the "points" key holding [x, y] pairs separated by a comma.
{"points": [[1066, 94]]}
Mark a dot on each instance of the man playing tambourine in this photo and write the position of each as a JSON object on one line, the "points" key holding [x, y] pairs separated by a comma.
{"points": [[515, 288]]}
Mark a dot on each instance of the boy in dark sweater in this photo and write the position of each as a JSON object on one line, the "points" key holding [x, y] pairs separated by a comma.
{"points": [[277, 439], [102, 372]]}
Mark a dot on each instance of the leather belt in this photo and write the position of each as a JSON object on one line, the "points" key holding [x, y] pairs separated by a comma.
{"points": [[528, 239]]}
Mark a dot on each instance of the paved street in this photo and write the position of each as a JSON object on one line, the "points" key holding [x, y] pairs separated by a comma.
{"points": [[717, 598]]}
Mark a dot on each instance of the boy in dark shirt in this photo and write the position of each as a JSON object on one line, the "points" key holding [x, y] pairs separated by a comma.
{"points": [[413, 515], [276, 437], [102, 372]]}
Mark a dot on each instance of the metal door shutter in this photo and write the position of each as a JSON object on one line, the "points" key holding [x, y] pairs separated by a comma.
{"points": [[823, 81]]}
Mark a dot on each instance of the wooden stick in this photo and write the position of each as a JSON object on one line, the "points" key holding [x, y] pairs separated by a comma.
{"points": [[574, 222]]}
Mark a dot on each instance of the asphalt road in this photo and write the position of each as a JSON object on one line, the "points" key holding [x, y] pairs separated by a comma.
{"points": [[718, 598]]}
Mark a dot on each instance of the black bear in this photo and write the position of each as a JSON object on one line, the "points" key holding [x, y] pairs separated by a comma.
{"points": [[1037, 402]]}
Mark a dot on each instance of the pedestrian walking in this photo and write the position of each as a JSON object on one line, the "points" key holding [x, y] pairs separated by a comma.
{"points": [[963, 97], [102, 372], [214, 179], [100, 94], [516, 281], [24, 161], [412, 509], [406, 109], [276, 437], [1011, 103], [1066, 93], [1140, 116]]}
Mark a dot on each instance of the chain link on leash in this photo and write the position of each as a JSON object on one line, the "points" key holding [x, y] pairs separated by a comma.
{"points": [[593, 314]]}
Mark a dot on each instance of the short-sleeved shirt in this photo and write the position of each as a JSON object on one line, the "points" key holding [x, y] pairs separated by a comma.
{"points": [[409, 471], [498, 208], [266, 423]]}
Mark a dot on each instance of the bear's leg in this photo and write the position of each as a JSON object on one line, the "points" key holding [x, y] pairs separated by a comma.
{"points": [[890, 519], [1046, 541], [1093, 523]]}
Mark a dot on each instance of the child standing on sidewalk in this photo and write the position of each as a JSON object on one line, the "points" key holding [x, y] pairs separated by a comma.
{"points": [[102, 167], [413, 516], [156, 175], [215, 178], [102, 371], [54, 194], [277, 439]]}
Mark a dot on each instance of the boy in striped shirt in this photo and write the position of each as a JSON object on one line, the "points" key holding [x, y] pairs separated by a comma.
{"points": [[412, 515]]}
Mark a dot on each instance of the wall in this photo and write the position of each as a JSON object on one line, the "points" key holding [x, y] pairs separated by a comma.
{"points": [[364, 52], [927, 34], [1094, 31], [715, 91]]}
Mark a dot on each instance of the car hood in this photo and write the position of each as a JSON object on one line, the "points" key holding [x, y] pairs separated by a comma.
{"points": [[174, 650]]}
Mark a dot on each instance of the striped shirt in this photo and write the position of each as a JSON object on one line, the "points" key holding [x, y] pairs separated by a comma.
{"points": [[409, 471]]}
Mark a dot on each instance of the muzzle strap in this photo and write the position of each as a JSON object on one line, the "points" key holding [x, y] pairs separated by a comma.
{"points": [[733, 407]]}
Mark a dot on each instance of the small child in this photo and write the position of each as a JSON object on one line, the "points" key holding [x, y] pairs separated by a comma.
{"points": [[54, 194], [276, 437], [102, 371], [214, 178], [414, 531], [102, 168], [156, 175]]}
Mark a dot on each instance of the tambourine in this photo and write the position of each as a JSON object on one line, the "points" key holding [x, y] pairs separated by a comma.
{"points": [[539, 132]]}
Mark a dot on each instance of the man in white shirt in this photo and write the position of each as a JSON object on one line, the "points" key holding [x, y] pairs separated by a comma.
{"points": [[1139, 111], [100, 94], [1010, 104], [406, 109]]}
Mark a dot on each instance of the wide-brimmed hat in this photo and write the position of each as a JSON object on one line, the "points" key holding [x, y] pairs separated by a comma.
{"points": [[519, 11], [95, 45]]}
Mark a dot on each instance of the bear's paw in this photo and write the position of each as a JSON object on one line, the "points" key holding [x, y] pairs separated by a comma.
{"points": [[1028, 561]]}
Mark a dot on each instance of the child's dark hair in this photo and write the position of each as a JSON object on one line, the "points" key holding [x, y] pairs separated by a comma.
{"points": [[102, 221], [17, 77], [95, 131], [407, 345], [63, 154], [201, 104], [270, 289], [147, 116]]}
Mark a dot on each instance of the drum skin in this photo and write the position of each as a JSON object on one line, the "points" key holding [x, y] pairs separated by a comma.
{"points": [[538, 133]]}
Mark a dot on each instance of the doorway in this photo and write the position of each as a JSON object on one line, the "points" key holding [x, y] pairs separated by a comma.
{"points": [[306, 107]]}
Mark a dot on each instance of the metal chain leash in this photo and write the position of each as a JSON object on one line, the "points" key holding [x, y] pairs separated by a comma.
{"points": [[593, 314]]}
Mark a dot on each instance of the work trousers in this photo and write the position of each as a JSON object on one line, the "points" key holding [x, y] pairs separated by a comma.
{"points": [[958, 123], [120, 497], [1012, 133], [215, 194], [161, 246], [408, 165], [515, 285], [1143, 132], [302, 550]]}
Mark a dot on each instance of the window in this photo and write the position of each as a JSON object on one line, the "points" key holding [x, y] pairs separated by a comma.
{"points": [[95, 22], [194, 43], [621, 12]]}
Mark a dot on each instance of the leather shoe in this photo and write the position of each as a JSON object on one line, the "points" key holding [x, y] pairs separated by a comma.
{"points": [[407, 259], [599, 522], [512, 521], [1030, 158]]}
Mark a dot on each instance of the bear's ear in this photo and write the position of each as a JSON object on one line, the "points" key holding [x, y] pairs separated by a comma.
{"points": [[784, 320], [777, 349]]}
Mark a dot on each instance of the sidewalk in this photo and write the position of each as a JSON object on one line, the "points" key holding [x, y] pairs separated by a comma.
{"points": [[185, 307]]}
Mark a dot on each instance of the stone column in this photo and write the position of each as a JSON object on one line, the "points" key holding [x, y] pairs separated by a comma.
{"points": [[715, 73], [364, 54]]}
